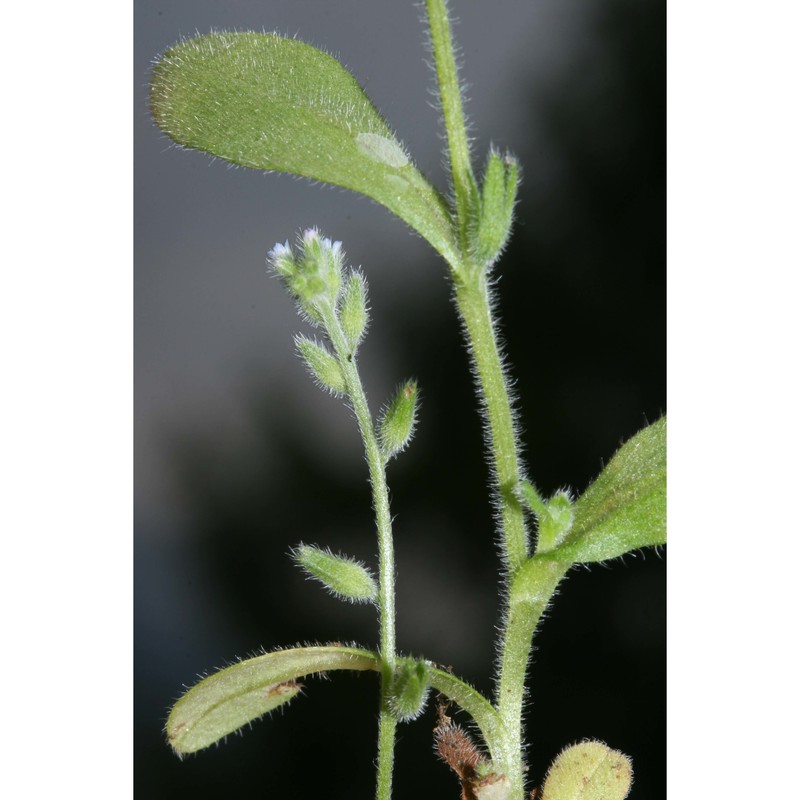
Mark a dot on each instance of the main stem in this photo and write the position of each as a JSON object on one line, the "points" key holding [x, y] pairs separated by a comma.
{"points": [[523, 613], [380, 501], [474, 304]]}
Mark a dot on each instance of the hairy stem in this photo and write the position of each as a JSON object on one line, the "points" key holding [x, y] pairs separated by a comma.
{"points": [[474, 305], [380, 500], [464, 186], [525, 603], [529, 596]]}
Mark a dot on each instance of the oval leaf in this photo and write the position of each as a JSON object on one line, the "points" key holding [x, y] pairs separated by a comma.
{"points": [[264, 101], [588, 771], [226, 701], [626, 507]]}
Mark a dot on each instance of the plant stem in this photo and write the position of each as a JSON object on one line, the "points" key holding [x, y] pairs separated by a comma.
{"points": [[464, 186], [474, 305], [526, 604], [383, 520], [523, 608]]}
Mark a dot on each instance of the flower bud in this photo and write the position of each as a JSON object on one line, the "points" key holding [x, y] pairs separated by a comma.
{"points": [[398, 421], [314, 277], [282, 259], [555, 523], [498, 194], [409, 689], [323, 365], [341, 576], [353, 313]]}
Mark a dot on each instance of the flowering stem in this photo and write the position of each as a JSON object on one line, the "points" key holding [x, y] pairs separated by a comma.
{"points": [[380, 500]]}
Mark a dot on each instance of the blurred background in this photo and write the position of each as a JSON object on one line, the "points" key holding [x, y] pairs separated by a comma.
{"points": [[239, 456]]}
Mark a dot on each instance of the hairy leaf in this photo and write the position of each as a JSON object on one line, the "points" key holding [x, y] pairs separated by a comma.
{"points": [[264, 101], [588, 771], [226, 701], [626, 507]]}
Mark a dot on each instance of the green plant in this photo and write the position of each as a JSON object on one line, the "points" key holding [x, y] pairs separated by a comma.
{"points": [[271, 103]]}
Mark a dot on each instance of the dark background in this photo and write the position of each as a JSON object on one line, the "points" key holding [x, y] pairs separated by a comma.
{"points": [[239, 456]]}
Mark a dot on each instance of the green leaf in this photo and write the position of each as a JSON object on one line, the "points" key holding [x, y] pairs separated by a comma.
{"points": [[226, 701], [342, 576], [626, 507], [588, 771], [264, 101]]}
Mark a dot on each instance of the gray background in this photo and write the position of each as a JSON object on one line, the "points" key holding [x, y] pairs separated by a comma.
{"points": [[238, 455]]}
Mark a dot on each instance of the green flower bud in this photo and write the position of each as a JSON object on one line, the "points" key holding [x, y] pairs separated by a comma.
{"points": [[353, 313], [498, 195], [409, 689], [341, 576], [282, 260], [555, 523], [398, 421], [313, 278], [323, 365]]}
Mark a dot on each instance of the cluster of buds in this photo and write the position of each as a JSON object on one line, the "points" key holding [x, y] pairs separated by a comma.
{"points": [[314, 277]]}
